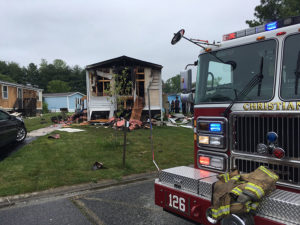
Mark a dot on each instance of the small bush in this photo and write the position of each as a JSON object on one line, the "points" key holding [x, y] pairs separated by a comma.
{"points": [[45, 108]]}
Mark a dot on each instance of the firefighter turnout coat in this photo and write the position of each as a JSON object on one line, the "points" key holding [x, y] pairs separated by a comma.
{"points": [[236, 193]]}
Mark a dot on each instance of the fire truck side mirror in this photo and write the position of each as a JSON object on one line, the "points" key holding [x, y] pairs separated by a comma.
{"points": [[177, 37], [186, 81]]}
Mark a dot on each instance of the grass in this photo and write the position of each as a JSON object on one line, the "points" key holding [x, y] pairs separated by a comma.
{"points": [[48, 163], [34, 123]]}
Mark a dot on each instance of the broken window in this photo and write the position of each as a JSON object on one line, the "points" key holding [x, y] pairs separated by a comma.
{"points": [[103, 86], [100, 86], [140, 82]]}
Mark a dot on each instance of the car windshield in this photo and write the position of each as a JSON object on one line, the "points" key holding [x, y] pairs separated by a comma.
{"points": [[290, 80], [223, 74]]}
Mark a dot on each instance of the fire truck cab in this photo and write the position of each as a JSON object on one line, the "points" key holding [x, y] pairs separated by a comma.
{"points": [[246, 114]]}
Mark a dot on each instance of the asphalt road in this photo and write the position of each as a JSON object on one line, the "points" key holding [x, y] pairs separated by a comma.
{"points": [[126, 204]]}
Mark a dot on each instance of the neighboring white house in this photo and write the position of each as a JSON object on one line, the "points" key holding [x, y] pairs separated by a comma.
{"points": [[143, 75], [57, 101]]}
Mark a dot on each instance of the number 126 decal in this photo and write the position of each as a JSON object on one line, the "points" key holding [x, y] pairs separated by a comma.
{"points": [[177, 202]]}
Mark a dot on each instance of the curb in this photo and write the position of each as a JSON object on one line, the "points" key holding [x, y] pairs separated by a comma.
{"points": [[73, 190]]}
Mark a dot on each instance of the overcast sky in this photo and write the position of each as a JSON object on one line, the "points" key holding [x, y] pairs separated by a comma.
{"points": [[84, 32]]}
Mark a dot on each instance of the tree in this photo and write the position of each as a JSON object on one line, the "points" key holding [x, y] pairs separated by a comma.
{"points": [[41, 74], [58, 86], [32, 74], [120, 88], [16, 72], [77, 79], [172, 85], [59, 64], [13, 71], [271, 10], [6, 78], [3, 68]]}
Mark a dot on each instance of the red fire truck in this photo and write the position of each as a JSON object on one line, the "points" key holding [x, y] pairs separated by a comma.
{"points": [[246, 114]]}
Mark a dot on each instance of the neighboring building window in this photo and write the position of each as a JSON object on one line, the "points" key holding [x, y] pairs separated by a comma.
{"points": [[5, 92], [20, 94]]}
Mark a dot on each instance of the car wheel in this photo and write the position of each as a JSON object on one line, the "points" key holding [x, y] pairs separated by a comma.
{"points": [[21, 135]]}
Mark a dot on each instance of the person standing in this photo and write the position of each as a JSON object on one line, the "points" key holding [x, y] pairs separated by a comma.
{"points": [[172, 106], [176, 105]]}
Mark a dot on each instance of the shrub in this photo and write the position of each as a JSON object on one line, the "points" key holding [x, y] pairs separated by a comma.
{"points": [[45, 107]]}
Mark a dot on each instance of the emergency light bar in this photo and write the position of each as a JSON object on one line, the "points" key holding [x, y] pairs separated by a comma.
{"points": [[262, 28]]}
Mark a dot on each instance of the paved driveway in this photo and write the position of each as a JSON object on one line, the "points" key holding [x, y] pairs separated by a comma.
{"points": [[126, 204]]}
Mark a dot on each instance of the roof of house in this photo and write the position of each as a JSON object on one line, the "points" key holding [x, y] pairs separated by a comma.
{"points": [[28, 87], [124, 60], [61, 94]]}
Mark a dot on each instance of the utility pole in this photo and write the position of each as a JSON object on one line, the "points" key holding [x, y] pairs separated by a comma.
{"points": [[126, 125]]}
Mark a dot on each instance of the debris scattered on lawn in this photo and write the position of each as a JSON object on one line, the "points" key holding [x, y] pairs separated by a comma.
{"points": [[17, 114], [70, 130], [80, 119], [172, 120], [171, 125], [54, 136], [98, 165], [179, 120], [187, 126], [133, 123], [54, 119], [179, 115], [43, 131]]}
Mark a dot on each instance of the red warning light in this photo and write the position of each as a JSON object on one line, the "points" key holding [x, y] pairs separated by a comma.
{"points": [[204, 160], [281, 33], [278, 153], [229, 36], [232, 36]]}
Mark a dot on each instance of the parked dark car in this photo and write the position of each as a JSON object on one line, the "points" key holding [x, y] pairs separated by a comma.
{"points": [[12, 129]]}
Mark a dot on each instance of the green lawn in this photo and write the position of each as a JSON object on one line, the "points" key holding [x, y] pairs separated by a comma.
{"points": [[48, 163], [34, 123]]}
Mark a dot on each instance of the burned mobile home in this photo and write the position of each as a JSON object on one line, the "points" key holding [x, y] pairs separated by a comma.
{"points": [[141, 76]]}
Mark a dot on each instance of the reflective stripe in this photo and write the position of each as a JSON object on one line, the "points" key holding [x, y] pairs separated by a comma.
{"points": [[223, 210], [236, 191], [269, 173], [256, 189], [225, 176], [254, 205], [251, 206], [247, 204], [236, 178]]}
